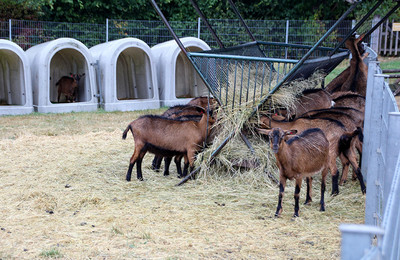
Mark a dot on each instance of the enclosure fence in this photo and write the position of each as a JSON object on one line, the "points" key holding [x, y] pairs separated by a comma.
{"points": [[29, 33], [381, 165]]}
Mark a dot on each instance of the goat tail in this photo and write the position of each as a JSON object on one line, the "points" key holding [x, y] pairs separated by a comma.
{"points": [[58, 83], [126, 131], [345, 139]]}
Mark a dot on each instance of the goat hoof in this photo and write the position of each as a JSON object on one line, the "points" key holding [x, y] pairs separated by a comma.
{"points": [[295, 215], [322, 208]]}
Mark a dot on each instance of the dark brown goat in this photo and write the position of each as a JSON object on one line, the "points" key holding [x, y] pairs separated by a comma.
{"points": [[310, 99], [334, 131], [299, 157], [68, 85], [354, 78], [166, 137]]}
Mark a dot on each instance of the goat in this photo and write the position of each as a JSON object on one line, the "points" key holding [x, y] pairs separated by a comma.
{"points": [[333, 130], [310, 99], [354, 78], [68, 85], [179, 112], [349, 99], [204, 102], [166, 137], [352, 119], [298, 157]]}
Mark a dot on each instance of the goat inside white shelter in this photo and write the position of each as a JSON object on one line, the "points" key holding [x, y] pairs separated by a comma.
{"points": [[50, 61]]}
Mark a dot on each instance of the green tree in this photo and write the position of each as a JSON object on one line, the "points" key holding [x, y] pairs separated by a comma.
{"points": [[19, 10]]}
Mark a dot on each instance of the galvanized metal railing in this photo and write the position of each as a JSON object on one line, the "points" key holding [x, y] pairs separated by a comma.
{"points": [[381, 164]]}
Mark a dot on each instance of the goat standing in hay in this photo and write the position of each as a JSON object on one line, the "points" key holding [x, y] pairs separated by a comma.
{"points": [[340, 142], [189, 111], [68, 86], [301, 156], [167, 137]]}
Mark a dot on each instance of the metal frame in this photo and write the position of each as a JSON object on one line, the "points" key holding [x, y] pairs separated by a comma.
{"points": [[298, 63]]}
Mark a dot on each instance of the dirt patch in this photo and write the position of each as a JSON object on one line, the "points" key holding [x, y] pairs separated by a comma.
{"points": [[63, 193]]}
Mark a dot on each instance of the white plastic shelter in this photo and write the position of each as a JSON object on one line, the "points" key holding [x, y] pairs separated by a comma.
{"points": [[15, 80], [127, 75], [54, 59], [177, 79]]}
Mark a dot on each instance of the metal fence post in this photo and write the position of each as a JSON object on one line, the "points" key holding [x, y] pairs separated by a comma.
{"points": [[106, 29], [287, 37], [371, 163], [198, 27], [375, 41], [356, 240], [392, 151], [9, 29]]}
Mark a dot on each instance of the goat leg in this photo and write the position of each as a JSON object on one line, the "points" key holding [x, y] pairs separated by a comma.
{"points": [[177, 161], [139, 169], [309, 190], [335, 184], [349, 153], [282, 184], [297, 197], [323, 188], [129, 173], [156, 163], [167, 163]]}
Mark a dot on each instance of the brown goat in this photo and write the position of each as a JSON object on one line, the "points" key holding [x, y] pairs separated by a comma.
{"points": [[166, 137], [204, 102], [349, 99], [334, 131], [298, 157], [354, 78], [68, 85], [352, 119], [180, 112], [310, 99]]}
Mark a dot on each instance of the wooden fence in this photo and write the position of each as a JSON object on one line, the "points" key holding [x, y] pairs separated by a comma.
{"points": [[388, 43]]}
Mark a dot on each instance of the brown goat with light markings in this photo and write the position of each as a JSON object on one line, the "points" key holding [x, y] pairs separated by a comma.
{"points": [[299, 157]]}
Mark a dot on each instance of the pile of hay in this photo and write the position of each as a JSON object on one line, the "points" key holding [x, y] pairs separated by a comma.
{"points": [[236, 158]]}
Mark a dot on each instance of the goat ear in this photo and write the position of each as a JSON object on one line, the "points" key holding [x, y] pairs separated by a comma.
{"points": [[263, 131], [291, 132], [200, 110]]}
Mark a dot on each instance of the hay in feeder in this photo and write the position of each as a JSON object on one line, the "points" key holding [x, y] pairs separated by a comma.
{"points": [[233, 158]]}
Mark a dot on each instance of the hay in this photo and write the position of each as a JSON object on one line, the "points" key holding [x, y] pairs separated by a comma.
{"points": [[236, 152], [63, 190]]}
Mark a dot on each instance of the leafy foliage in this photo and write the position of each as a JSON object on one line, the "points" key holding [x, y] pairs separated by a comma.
{"points": [[96, 11]]}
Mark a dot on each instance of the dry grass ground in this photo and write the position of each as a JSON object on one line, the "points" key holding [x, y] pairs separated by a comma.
{"points": [[64, 195]]}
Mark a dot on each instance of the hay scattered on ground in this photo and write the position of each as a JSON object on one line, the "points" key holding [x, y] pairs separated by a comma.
{"points": [[64, 194]]}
